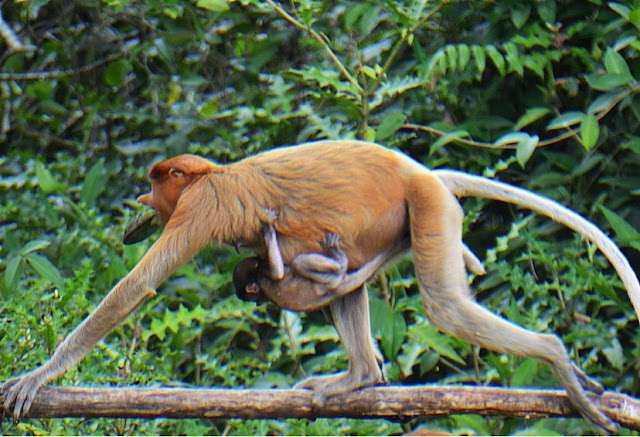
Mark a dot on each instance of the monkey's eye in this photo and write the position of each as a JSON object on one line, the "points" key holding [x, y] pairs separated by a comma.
{"points": [[175, 172]]}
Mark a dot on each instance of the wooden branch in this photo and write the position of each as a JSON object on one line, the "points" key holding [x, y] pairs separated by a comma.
{"points": [[377, 402]]}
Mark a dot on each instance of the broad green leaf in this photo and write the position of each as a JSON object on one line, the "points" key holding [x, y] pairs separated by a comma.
{"points": [[614, 354], [452, 57], [390, 125], [497, 58], [480, 58], [34, 245], [525, 145], [13, 271], [624, 231], [589, 131], [547, 10], [520, 13], [632, 144], [531, 115], [603, 103], [525, 373], [513, 59], [46, 181], [615, 63], [525, 149], [94, 183], [620, 9], [565, 120], [464, 54], [394, 329], [447, 138], [213, 5], [430, 336], [116, 72], [45, 268], [608, 81]]}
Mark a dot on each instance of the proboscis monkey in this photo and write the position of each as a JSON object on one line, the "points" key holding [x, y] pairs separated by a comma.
{"points": [[373, 198]]}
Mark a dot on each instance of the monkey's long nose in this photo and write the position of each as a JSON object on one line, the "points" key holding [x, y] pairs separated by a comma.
{"points": [[145, 199]]}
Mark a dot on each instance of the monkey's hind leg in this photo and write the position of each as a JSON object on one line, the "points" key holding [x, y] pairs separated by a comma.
{"points": [[436, 234], [350, 316]]}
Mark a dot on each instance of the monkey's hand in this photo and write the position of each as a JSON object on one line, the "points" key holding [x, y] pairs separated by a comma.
{"points": [[22, 391], [331, 385]]}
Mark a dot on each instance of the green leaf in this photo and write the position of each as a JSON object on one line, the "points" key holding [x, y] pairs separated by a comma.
{"points": [[615, 63], [452, 57], [524, 375], [394, 329], [547, 11], [565, 120], [13, 271], [608, 81], [480, 58], [620, 9], [497, 58], [531, 115], [589, 131], [603, 103], [520, 13], [430, 336], [116, 72], [94, 183], [45, 268], [525, 145], [447, 138], [34, 245], [624, 231], [46, 181], [390, 125], [464, 54], [614, 354], [213, 5], [525, 149]]}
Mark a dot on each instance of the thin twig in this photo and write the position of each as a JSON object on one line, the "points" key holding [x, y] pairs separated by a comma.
{"points": [[56, 74], [322, 42]]}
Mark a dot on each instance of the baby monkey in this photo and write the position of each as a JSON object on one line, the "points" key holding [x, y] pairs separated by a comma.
{"points": [[314, 279]]}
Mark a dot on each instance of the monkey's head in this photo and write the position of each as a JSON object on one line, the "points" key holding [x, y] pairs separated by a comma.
{"points": [[245, 281], [169, 179]]}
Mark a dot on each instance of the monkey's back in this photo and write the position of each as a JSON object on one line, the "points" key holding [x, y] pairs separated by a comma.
{"points": [[351, 188]]}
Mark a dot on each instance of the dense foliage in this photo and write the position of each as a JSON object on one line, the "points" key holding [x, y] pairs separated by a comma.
{"points": [[543, 94]]}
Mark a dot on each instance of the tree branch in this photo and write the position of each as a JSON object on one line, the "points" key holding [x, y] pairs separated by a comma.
{"points": [[392, 402]]}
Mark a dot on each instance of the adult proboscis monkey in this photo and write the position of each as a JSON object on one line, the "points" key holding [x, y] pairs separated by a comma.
{"points": [[372, 198]]}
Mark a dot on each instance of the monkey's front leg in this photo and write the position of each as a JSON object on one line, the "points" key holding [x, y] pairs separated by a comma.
{"points": [[351, 318], [166, 255]]}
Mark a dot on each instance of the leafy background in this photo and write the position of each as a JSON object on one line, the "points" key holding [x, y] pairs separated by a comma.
{"points": [[542, 94]]}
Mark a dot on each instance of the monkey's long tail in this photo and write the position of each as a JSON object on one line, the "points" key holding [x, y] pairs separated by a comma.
{"points": [[465, 185]]}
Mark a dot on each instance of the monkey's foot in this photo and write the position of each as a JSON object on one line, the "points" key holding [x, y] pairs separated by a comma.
{"points": [[586, 382], [330, 385], [330, 241]]}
